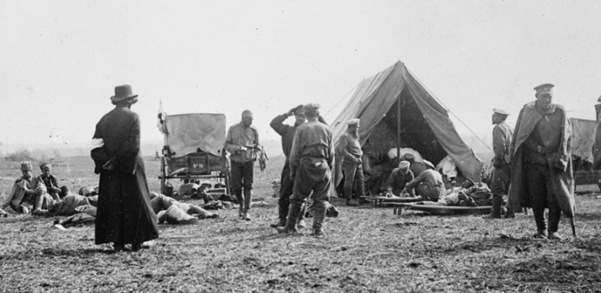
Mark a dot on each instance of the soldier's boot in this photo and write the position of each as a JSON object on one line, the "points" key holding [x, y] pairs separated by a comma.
{"points": [[293, 213], [301, 224], [319, 214], [282, 214], [241, 210], [497, 201], [541, 225], [247, 201], [554, 216]]}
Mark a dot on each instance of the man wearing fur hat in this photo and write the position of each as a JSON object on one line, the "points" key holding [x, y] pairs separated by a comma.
{"points": [[501, 140], [541, 162], [399, 178], [350, 149], [286, 184], [311, 160], [25, 192]]}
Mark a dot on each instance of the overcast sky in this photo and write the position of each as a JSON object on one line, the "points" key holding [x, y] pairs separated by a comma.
{"points": [[60, 60]]}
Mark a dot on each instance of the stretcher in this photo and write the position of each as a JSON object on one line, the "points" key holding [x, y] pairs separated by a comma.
{"points": [[380, 201], [441, 210]]}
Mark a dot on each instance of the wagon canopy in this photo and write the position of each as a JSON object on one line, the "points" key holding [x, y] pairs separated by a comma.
{"points": [[186, 133], [425, 124]]}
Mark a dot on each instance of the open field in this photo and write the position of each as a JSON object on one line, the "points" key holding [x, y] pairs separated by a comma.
{"points": [[365, 250]]}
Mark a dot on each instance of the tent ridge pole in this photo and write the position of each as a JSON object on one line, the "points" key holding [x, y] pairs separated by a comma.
{"points": [[398, 127]]}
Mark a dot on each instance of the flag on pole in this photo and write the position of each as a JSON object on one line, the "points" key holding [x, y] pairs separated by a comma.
{"points": [[161, 119]]}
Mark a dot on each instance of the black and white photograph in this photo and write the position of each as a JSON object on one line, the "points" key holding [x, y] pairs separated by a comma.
{"points": [[300, 146]]}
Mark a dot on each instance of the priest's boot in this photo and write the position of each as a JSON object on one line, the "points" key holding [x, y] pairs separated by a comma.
{"points": [[497, 201], [554, 216], [319, 214], [541, 226], [293, 213]]}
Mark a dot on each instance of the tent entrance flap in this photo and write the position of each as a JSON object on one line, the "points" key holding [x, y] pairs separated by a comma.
{"points": [[415, 131]]}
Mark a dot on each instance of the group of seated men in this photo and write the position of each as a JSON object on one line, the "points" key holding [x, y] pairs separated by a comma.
{"points": [[33, 194], [40, 196]]}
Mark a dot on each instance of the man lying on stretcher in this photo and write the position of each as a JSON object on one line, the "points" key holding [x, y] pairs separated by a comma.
{"points": [[469, 194]]}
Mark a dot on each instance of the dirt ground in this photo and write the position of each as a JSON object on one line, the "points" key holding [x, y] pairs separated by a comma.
{"points": [[366, 249]]}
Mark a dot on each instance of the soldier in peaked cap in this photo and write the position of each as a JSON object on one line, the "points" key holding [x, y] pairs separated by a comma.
{"points": [[352, 164], [541, 162], [501, 140], [311, 160], [124, 213]]}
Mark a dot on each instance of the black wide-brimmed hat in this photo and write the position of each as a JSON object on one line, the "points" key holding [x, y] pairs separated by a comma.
{"points": [[123, 92]]}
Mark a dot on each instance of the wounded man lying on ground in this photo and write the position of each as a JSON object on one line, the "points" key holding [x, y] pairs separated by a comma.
{"points": [[175, 212], [69, 205], [470, 194]]}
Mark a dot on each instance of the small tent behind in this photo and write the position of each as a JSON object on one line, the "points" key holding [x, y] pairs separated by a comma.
{"points": [[424, 124], [583, 134]]}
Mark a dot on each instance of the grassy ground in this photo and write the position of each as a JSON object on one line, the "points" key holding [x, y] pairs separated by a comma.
{"points": [[366, 250]]}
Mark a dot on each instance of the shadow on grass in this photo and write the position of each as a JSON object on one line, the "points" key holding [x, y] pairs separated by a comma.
{"points": [[185, 240], [77, 252], [588, 217], [25, 219]]}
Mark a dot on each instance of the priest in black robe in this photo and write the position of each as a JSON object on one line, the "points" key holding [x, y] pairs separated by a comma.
{"points": [[124, 213]]}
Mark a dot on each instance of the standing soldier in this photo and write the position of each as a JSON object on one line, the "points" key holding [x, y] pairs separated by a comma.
{"points": [[350, 148], [541, 162], [501, 140], [242, 142], [287, 133], [311, 160]]}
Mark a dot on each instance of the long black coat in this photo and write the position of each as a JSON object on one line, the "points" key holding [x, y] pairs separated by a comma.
{"points": [[124, 212]]}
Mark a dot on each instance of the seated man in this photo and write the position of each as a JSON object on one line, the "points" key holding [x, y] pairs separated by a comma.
{"points": [[175, 212], [398, 180], [28, 193], [50, 181], [429, 185]]}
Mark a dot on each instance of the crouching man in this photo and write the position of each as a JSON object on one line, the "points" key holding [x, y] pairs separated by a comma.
{"points": [[429, 185]]}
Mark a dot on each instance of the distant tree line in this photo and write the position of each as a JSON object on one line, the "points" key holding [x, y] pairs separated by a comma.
{"points": [[36, 154]]}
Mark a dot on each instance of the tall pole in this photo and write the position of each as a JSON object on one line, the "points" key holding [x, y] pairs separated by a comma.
{"points": [[398, 127]]}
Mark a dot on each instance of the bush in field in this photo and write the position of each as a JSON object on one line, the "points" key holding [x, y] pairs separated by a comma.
{"points": [[19, 155], [37, 154]]}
